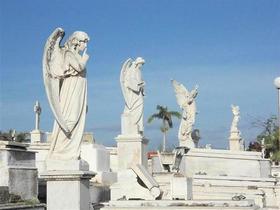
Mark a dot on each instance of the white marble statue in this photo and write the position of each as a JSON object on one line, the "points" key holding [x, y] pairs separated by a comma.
{"points": [[235, 140], [37, 110], [186, 101], [65, 81], [236, 117], [132, 86]]}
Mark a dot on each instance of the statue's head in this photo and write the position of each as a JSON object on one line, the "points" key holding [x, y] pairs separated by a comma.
{"points": [[78, 40], [235, 109], [139, 61]]}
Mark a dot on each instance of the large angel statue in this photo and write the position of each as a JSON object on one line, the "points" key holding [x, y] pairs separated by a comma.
{"points": [[65, 81], [132, 87], [186, 101]]}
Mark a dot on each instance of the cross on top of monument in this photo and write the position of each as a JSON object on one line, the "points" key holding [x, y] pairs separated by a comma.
{"points": [[37, 110]]}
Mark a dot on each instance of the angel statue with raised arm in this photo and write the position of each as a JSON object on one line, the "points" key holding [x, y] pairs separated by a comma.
{"points": [[132, 87], [186, 101], [64, 72]]}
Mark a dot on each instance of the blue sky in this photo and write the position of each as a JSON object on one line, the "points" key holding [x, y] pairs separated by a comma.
{"points": [[230, 48]]}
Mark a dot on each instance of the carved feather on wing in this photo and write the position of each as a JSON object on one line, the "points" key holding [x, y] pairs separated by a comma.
{"points": [[181, 93], [52, 71]]}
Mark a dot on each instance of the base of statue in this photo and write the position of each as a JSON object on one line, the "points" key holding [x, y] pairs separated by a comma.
{"points": [[67, 186], [235, 141], [189, 143], [36, 136], [131, 151]]}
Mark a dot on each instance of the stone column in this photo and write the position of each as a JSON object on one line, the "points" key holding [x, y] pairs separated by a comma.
{"points": [[235, 141], [36, 135], [71, 177]]}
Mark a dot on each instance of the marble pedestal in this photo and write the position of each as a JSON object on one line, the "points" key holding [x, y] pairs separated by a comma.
{"points": [[131, 151], [235, 141], [36, 136], [41, 150], [68, 185], [189, 143], [98, 158]]}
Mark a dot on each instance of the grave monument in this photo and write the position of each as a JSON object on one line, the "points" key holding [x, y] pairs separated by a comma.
{"points": [[132, 129], [36, 135], [64, 72], [235, 140]]}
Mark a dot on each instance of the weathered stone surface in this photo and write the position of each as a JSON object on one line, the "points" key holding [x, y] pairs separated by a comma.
{"points": [[4, 194], [23, 182], [16, 165], [131, 151], [74, 183]]}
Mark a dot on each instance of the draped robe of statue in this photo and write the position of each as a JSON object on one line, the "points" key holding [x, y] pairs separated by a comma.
{"points": [[67, 93], [133, 92]]}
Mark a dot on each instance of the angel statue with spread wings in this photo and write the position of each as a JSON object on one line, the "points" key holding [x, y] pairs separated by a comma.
{"points": [[65, 82], [186, 101], [132, 87]]}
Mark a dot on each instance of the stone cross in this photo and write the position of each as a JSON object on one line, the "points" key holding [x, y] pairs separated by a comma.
{"points": [[37, 110]]}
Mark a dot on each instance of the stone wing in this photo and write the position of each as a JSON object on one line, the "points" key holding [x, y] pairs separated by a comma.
{"points": [[52, 71], [181, 93], [123, 78]]}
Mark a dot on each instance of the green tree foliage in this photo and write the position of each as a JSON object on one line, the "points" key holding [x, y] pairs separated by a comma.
{"points": [[165, 116], [11, 135], [270, 134]]}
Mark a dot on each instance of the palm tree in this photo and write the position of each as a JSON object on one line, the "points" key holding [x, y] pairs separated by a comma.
{"points": [[166, 117]]}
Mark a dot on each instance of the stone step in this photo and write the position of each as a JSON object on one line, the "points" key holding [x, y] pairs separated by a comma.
{"points": [[180, 204]]}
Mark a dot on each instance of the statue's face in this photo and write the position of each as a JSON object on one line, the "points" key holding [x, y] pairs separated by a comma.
{"points": [[82, 45], [139, 65]]}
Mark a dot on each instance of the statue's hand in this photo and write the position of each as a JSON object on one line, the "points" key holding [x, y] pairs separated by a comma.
{"points": [[142, 84], [85, 56]]}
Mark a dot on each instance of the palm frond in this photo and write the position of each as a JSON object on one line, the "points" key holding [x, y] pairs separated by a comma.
{"points": [[176, 114], [152, 117]]}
